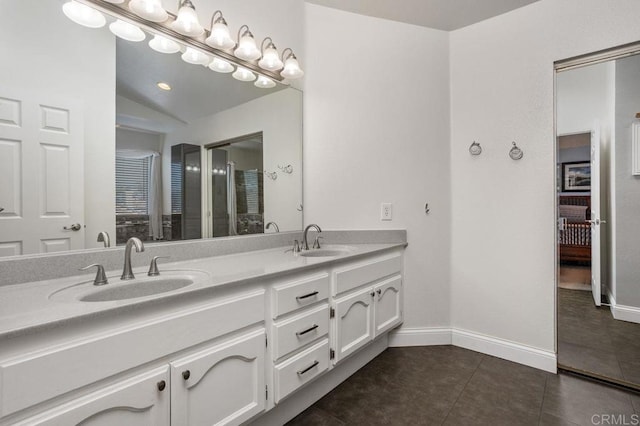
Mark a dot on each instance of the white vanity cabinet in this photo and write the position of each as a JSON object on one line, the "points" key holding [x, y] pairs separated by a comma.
{"points": [[220, 385], [367, 302], [141, 400]]}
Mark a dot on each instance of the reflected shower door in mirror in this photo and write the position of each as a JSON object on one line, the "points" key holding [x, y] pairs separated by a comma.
{"points": [[88, 123], [236, 187], [598, 192]]}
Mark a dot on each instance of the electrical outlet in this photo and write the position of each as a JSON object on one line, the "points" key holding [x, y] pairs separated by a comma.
{"points": [[386, 211]]}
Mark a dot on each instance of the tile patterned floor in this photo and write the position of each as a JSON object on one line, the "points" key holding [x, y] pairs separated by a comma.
{"points": [[591, 340], [446, 385]]}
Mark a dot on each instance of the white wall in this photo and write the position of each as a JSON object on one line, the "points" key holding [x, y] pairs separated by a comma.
{"points": [[376, 129], [278, 117], [68, 60], [627, 186], [503, 216], [131, 139]]}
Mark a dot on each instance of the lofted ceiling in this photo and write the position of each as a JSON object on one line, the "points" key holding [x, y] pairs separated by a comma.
{"points": [[445, 15]]}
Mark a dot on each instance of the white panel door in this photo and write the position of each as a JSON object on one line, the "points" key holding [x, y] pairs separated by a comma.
{"points": [[221, 385], [41, 174], [354, 322], [595, 216], [388, 304], [141, 400]]}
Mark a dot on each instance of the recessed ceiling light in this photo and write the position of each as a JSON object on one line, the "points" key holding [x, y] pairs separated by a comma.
{"points": [[164, 86]]}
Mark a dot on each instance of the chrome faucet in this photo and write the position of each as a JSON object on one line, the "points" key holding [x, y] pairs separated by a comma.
{"points": [[275, 226], [103, 237], [127, 273], [305, 243]]}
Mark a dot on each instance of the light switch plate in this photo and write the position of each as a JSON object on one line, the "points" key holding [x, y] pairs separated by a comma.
{"points": [[386, 211]]}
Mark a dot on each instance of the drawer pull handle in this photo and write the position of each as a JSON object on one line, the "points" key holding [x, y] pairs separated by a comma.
{"points": [[308, 330], [161, 385], [306, 296], [301, 372], [186, 374]]}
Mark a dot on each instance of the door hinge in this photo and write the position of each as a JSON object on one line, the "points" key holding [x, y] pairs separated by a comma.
{"points": [[266, 392], [332, 354], [332, 313]]}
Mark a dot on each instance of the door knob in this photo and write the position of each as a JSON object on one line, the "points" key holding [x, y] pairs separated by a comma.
{"points": [[73, 227]]}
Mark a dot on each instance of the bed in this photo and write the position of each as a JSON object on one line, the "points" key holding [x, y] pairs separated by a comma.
{"points": [[575, 230]]}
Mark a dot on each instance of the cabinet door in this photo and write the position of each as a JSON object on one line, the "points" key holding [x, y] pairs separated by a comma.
{"points": [[354, 323], [388, 302], [221, 385], [140, 400]]}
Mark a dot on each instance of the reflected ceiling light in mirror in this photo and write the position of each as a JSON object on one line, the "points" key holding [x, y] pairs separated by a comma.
{"points": [[264, 82], [291, 66], [126, 31], [247, 48], [187, 21], [115, 1], [196, 57], [219, 37], [150, 10], [243, 74], [164, 86], [83, 14], [163, 44], [220, 65], [270, 58]]}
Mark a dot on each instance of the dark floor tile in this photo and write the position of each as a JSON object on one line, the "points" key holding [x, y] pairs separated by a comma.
{"points": [[315, 417], [547, 419], [635, 400], [598, 361], [630, 368], [578, 400], [500, 392]]}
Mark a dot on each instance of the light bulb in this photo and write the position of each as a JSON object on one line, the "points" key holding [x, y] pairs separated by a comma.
{"points": [[243, 74], [195, 57], [163, 45], [150, 10], [247, 48], [270, 59], [291, 69], [83, 14], [126, 31], [220, 37], [187, 21], [264, 82], [220, 65]]}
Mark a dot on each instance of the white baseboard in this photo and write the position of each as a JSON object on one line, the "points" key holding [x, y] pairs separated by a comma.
{"points": [[426, 336], [624, 313], [512, 351], [505, 349]]}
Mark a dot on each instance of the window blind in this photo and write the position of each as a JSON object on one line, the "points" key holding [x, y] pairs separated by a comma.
{"points": [[132, 185]]}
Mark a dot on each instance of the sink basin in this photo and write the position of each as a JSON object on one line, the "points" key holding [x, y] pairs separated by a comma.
{"points": [[327, 252], [144, 286], [134, 290]]}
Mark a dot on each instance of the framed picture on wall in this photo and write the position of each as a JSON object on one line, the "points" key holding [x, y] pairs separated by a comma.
{"points": [[576, 176]]}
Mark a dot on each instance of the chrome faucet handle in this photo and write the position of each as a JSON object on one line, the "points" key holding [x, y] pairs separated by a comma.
{"points": [[101, 277], [295, 249], [153, 268], [316, 242]]}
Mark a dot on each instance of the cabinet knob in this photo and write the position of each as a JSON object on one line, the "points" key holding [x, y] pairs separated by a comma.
{"points": [[186, 374], [379, 291], [373, 293], [161, 385]]}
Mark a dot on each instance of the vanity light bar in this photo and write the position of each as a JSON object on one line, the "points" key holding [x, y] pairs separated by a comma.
{"points": [[121, 12]]}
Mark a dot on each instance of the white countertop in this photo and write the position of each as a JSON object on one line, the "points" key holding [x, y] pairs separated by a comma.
{"points": [[27, 307]]}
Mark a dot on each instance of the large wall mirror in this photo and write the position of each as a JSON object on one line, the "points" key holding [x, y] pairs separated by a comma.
{"points": [[101, 135]]}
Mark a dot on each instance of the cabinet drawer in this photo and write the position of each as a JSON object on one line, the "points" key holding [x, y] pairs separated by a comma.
{"points": [[300, 369], [359, 274], [288, 297], [300, 330], [35, 377]]}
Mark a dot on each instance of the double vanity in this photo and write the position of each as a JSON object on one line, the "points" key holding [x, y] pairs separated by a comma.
{"points": [[254, 336]]}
